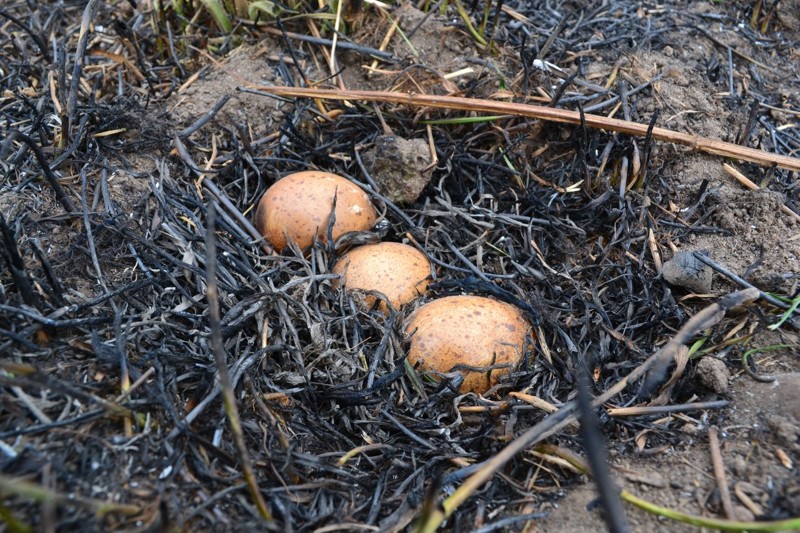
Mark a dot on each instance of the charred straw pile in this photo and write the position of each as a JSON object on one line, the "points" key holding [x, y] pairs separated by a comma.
{"points": [[109, 378]]}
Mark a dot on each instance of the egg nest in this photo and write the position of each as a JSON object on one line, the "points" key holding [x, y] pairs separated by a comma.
{"points": [[115, 289]]}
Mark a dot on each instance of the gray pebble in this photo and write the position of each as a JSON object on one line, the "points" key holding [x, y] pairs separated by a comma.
{"points": [[684, 270]]}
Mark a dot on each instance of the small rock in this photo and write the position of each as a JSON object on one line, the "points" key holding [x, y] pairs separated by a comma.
{"points": [[713, 374], [400, 167], [684, 270]]}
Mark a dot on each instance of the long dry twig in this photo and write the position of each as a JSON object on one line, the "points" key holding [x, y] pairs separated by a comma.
{"points": [[700, 144]]}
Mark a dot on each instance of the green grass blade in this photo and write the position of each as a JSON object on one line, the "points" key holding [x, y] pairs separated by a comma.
{"points": [[217, 11]]}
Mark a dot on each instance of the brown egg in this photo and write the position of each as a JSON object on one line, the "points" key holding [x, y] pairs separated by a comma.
{"points": [[297, 208], [399, 271], [472, 331]]}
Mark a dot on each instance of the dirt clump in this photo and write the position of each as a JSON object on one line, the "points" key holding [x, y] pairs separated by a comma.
{"points": [[713, 374], [401, 167], [685, 270]]}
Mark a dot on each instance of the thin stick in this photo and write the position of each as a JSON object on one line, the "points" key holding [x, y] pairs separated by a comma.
{"points": [[344, 45], [751, 119], [83, 40], [738, 279], [89, 236], [136, 384], [665, 409], [695, 142], [229, 400], [594, 446], [719, 472], [790, 524], [51, 178], [202, 121], [27, 401], [388, 37], [332, 59]]}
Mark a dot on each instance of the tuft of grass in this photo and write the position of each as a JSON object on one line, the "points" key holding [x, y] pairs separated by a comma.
{"points": [[224, 12], [793, 304], [220, 14], [263, 7], [480, 39]]}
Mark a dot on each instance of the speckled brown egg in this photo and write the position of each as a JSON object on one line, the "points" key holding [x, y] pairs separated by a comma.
{"points": [[399, 271], [482, 338], [297, 208]]}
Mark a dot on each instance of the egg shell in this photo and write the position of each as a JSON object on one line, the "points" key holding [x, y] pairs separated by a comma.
{"points": [[297, 208], [468, 330], [399, 271]]}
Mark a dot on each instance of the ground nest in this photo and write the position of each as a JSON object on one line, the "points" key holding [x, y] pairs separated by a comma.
{"points": [[133, 158]]}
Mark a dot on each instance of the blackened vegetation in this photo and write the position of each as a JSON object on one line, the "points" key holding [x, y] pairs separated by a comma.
{"points": [[103, 265]]}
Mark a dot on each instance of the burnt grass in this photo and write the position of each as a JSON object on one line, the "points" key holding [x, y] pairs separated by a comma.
{"points": [[105, 282]]}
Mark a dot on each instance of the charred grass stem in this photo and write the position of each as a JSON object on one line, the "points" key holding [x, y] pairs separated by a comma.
{"points": [[229, 400]]}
